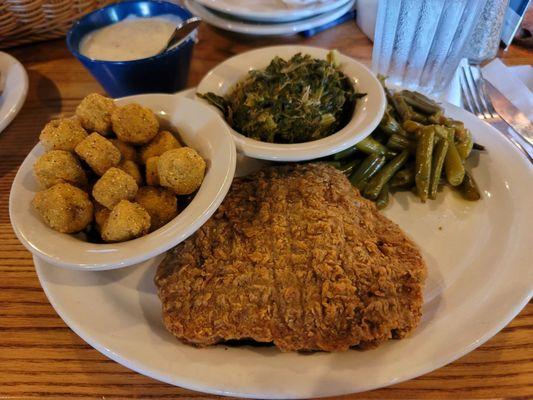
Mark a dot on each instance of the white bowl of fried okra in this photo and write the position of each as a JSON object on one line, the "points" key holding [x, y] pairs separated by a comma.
{"points": [[121, 181]]}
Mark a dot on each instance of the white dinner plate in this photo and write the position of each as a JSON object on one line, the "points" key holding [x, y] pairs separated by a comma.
{"points": [[272, 10], [266, 29], [13, 88], [479, 277]]}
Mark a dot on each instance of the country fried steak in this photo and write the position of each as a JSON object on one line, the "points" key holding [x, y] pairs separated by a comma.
{"points": [[296, 257]]}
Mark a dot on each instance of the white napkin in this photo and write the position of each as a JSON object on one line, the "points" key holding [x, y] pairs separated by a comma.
{"points": [[515, 84]]}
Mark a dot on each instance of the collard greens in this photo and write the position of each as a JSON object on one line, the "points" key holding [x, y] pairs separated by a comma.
{"points": [[292, 101]]}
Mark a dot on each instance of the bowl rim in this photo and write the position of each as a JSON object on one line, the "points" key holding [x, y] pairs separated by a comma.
{"points": [[306, 150], [120, 253], [73, 49]]}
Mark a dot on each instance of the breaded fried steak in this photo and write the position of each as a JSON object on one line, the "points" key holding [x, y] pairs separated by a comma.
{"points": [[296, 257]]}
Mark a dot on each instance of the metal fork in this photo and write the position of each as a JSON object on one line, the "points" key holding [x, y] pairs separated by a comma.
{"points": [[476, 100]]}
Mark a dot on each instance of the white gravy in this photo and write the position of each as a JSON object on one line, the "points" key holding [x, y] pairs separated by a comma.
{"points": [[130, 39]]}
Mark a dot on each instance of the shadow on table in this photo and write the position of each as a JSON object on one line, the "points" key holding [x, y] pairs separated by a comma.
{"points": [[16, 141]]}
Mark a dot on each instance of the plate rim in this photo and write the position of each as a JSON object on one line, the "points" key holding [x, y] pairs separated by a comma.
{"points": [[273, 16], [21, 94]]}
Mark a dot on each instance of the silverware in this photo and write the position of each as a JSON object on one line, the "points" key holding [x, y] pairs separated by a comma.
{"points": [[476, 101], [509, 113], [181, 31]]}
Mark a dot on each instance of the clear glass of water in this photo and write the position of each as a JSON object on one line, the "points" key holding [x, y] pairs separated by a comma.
{"points": [[418, 44]]}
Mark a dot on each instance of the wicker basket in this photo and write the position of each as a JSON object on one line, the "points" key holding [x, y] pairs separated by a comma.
{"points": [[27, 21]]}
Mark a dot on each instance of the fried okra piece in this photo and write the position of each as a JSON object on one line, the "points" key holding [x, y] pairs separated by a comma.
{"points": [[58, 166], [152, 176], [64, 208], [127, 151], [181, 170], [62, 134], [94, 113], [115, 185], [98, 152], [134, 124], [160, 203], [163, 142], [101, 214], [132, 169], [126, 221]]}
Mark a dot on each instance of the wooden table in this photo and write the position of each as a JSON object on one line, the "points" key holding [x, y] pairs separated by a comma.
{"points": [[41, 357]]}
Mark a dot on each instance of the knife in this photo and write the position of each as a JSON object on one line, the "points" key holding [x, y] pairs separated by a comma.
{"points": [[509, 113]]}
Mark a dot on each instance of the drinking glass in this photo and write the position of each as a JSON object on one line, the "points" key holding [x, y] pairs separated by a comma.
{"points": [[418, 44]]}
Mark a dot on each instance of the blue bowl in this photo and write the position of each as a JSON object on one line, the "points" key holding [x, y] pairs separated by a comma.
{"points": [[164, 73]]}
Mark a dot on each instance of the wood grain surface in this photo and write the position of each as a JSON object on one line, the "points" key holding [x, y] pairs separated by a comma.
{"points": [[40, 357]]}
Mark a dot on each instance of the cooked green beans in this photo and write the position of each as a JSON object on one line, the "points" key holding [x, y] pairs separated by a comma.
{"points": [[464, 144], [350, 151], [371, 146], [424, 150], [403, 179], [366, 170], [439, 155], [389, 125], [402, 108], [468, 188], [416, 147], [453, 165], [421, 102], [374, 186], [383, 197], [400, 142], [412, 126], [348, 168]]}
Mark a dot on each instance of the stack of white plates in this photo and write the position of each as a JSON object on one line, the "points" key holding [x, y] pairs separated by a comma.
{"points": [[269, 17]]}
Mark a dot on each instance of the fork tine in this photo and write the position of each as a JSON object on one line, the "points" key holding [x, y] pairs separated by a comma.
{"points": [[484, 95], [466, 93], [467, 74], [482, 100]]}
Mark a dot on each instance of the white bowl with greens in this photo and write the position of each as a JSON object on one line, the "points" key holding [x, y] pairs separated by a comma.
{"points": [[294, 103]]}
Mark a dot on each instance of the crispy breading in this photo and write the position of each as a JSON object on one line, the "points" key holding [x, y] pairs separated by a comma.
{"points": [[94, 113], [293, 256]]}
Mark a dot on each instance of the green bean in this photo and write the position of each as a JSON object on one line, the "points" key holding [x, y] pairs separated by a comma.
{"points": [[403, 110], [468, 188], [376, 183], [348, 167], [412, 126], [458, 125], [383, 197], [465, 144], [421, 102], [424, 150], [345, 153], [404, 178], [366, 170], [453, 165], [439, 154], [389, 125], [371, 146], [415, 116], [400, 142], [436, 118], [443, 131]]}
